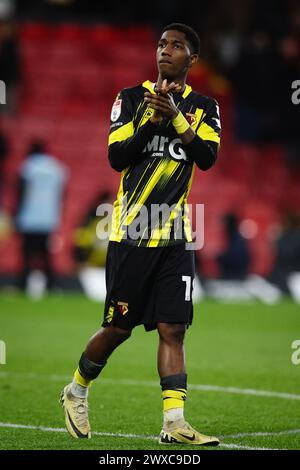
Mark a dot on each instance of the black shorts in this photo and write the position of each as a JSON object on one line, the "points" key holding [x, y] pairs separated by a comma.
{"points": [[148, 285]]}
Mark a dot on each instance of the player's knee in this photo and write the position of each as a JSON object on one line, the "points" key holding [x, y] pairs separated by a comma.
{"points": [[118, 333], [170, 332]]}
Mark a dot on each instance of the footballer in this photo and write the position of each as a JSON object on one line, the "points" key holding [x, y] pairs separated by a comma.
{"points": [[159, 133]]}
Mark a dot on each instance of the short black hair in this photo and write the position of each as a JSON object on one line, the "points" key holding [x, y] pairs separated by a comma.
{"points": [[36, 146], [190, 33]]}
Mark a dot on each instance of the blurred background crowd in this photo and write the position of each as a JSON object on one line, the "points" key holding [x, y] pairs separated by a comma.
{"points": [[64, 61]]}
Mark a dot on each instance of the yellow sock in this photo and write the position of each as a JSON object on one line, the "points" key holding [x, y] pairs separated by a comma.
{"points": [[81, 380], [173, 398]]}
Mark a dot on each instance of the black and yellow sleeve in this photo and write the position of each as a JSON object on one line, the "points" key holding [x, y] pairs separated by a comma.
{"points": [[125, 144], [210, 126], [203, 149]]}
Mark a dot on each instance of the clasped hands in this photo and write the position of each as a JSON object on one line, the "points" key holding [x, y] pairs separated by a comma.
{"points": [[162, 102]]}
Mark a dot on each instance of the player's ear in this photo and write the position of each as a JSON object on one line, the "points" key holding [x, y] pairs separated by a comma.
{"points": [[193, 59]]}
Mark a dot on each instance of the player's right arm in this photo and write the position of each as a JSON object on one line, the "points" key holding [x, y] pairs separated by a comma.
{"points": [[125, 145]]}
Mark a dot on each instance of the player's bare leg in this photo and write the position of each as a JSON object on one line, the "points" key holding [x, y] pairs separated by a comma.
{"points": [[74, 396], [172, 372], [170, 357], [104, 342]]}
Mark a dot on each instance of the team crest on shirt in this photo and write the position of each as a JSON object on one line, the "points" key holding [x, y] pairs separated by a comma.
{"points": [[116, 110], [123, 307], [191, 118]]}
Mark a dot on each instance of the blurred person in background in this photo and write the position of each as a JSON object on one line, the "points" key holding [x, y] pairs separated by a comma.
{"points": [[10, 69], [234, 261], [3, 156], [5, 220], [90, 246], [89, 249], [41, 192], [289, 71], [254, 77], [287, 251]]}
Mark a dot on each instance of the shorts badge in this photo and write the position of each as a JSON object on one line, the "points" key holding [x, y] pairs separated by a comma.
{"points": [[123, 307]]}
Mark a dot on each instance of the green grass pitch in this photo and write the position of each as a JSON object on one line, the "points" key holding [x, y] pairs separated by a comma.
{"points": [[244, 346]]}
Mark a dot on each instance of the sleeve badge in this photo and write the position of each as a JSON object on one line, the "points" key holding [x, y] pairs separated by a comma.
{"points": [[116, 110]]}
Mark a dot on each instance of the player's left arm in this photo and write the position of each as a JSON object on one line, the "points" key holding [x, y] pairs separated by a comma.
{"points": [[202, 145]]}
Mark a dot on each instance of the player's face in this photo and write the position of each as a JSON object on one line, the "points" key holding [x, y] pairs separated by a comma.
{"points": [[174, 55]]}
